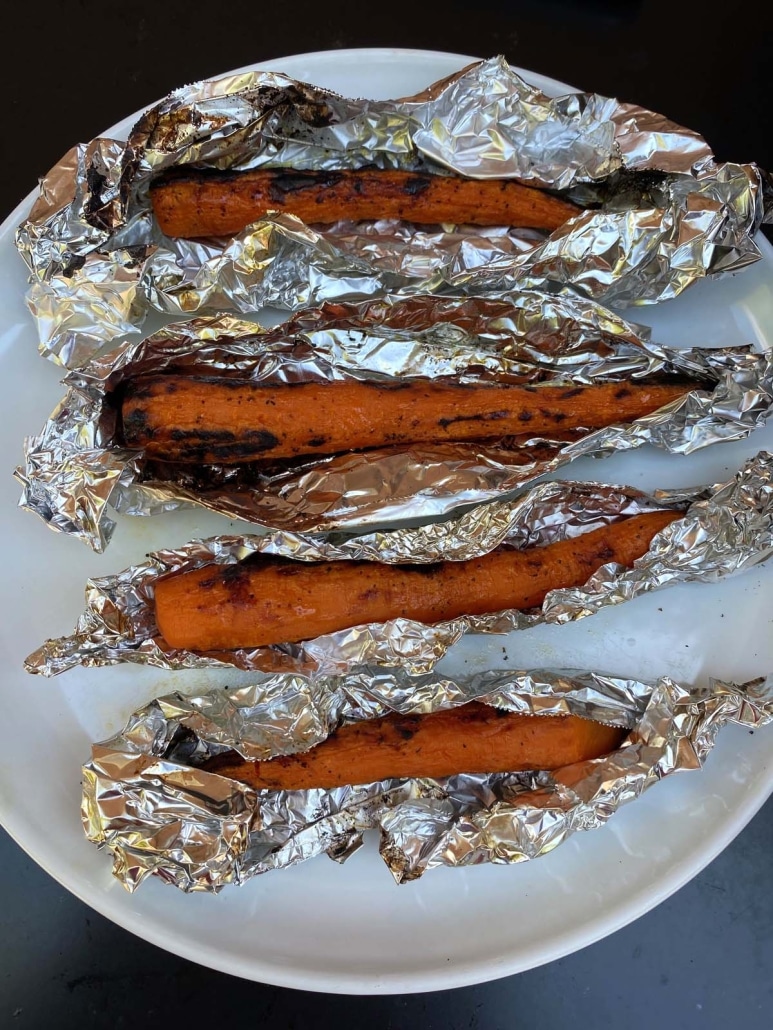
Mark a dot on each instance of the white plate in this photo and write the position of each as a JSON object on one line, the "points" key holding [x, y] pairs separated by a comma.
{"points": [[348, 928]]}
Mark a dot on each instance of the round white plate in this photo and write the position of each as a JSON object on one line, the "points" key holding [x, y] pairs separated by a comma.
{"points": [[349, 928]]}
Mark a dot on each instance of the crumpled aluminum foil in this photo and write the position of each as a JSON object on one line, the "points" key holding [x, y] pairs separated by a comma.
{"points": [[76, 468], [724, 530], [148, 802], [668, 213]]}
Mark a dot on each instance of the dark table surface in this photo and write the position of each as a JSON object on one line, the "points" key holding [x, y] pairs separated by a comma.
{"points": [[704, 957]]}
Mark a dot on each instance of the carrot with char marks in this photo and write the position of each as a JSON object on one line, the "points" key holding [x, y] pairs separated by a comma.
{"points": [[274, 601], [474, 738], [228, 421], [214, 203]]}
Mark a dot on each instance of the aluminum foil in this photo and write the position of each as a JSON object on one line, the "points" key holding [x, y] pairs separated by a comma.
{"points": [[76, 469], [665, 213], [147, 800], [724, 530]]}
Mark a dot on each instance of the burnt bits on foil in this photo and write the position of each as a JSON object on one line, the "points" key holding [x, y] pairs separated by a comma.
{"points": [[660, 212], [147, 800], [76, 469], [724, 530]]}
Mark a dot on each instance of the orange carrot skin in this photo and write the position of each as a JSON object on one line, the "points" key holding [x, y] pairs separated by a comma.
{"points": [[212, 203], [281, 601], [474, 738], [229, 421]]}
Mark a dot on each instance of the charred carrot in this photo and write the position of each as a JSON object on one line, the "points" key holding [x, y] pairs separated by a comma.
{"points": [[212, 203], [474, 738], [228, 421], [274, 601]]}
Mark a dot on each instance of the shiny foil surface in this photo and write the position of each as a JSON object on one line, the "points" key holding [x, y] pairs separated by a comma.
{"points": [[724, 530], [148, 802], [76, 470], [661, 213]]}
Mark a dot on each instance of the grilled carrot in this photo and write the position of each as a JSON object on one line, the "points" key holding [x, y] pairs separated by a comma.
{"points": [[473, 738], [229, 421], [212, 203], [274, 601]]}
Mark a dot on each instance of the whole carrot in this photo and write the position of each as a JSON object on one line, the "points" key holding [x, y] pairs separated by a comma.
{"points": [[279, 601], [213, 203], [473, 738], [229, 421]]}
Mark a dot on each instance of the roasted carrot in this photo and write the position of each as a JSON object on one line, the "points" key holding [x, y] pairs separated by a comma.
{"points": [[212, 203], [229, 421], [274, 601], [473, 738]]}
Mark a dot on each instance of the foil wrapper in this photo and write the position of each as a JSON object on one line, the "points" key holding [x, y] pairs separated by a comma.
{"points": [[76, 470], [724, 529], [664, 213], [147, 800]]}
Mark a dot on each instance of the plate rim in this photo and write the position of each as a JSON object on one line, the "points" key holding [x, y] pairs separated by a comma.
{"points": [[469, 973]]}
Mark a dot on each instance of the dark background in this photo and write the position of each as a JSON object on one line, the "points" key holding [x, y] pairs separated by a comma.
{"points": [[702, 959]]}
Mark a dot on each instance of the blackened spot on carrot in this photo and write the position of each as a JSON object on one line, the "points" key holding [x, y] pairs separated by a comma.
{"points": [[317, 441], [488, 416], [213, 764], [213, 445], [204, 435], [622, 392], [405, 725], [232, 573], [604, 554], [284, 182], [417, 185], [525, 416], [137, 427], [573, 392], [140, 389], [235, 577], [421, 570], [225, 575], [242, 572]]}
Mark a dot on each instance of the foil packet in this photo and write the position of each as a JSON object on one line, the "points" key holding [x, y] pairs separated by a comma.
{"points": [[661, 213], [148, 802], [77, 469], [724, 529]]}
